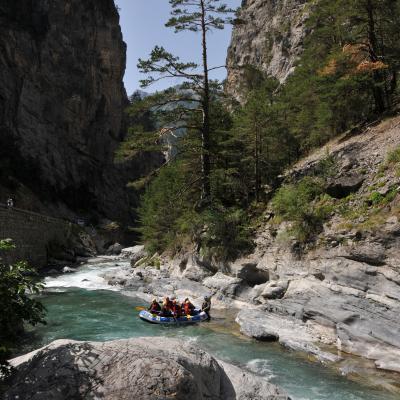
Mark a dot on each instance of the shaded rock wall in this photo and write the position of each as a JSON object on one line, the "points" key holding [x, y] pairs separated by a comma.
{"points": [[62, 104], [268, 36], [32, 234]]}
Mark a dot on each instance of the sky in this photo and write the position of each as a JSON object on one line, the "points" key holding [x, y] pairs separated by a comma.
{"points": [[142, 23]]}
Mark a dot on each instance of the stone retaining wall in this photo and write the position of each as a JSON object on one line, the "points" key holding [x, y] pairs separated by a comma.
{"points": [[32, 234]]}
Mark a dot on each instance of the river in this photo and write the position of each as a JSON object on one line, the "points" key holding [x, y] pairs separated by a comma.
{"points": [[82, 306]]}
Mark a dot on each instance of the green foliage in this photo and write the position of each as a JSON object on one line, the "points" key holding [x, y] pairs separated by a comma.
{"points": [[394, 156], [170, 220], [327, 167], [265, 144], [17, 307], [376, 198], [345, 76], [296, 203], [187, 15], [201, 16], [228, 233]]}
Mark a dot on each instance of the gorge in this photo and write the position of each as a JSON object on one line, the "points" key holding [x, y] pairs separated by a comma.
{"points": [[309, 311]]}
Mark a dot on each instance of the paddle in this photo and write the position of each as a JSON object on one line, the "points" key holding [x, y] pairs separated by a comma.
{"points": [[140, 308]]}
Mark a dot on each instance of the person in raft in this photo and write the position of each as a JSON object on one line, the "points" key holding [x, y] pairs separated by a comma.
{"points": [[206, 306], [155, 307], [166, 310], [188, 307], [176, 309]]}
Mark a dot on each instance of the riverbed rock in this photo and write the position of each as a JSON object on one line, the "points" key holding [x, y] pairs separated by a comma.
{"points": [[344, 284], [249, 272], [275, 289], [223, 284], [143, 368], [290, 332], [68, 270], [114, 250], [191, 266], [134, 253]]}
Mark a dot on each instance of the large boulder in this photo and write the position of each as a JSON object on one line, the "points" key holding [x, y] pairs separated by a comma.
{"points": [[143, 368], [275, 289], [224, 284], [114, 249], [343, 186], [134, 254], [250, 273], [193, 267]]}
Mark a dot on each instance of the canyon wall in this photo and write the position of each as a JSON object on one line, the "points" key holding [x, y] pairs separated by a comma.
{"points": [[62, 102], [268, 36]]}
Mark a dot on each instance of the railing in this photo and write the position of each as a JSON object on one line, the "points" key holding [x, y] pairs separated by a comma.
{"points": [[48, 218]]}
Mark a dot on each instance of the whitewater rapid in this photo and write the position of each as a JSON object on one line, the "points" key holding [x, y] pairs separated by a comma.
{"points": [[89, 277]]}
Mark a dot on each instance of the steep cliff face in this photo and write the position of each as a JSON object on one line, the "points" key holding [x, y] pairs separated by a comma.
{"points": [[62, 103], [343, 287], [268, 36]]}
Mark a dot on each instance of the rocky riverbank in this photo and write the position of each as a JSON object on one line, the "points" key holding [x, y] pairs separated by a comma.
{"points": [[143, 368], [339, 292]]}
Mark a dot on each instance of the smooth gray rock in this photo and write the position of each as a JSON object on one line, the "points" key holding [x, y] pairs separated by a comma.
{"points": [[134, 253], [114, 249], [275, 289], [224, 284], [250, 273], [143, 368], [290, 332], [343, 186], [193, 268]]}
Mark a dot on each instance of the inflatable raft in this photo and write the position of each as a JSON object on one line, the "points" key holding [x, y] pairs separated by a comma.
{"points": [[156, 319]]}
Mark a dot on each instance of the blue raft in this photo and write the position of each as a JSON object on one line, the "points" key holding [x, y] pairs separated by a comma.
{"points": [[184, 320]]}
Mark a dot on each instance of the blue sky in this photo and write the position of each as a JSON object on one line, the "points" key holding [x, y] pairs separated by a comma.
{"points": [[142, 23]]}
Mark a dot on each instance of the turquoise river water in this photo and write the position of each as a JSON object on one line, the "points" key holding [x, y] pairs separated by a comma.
{"points": [[81, 306]]}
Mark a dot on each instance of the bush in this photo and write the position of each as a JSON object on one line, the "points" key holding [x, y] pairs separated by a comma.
{"points": [[167, 218], [171, 223], [17, 307], [228, 233], [296, 203], [394, 156]]}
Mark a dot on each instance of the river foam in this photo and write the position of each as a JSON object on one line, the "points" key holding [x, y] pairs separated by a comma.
{"points": [[89, 277], [261, 367]]}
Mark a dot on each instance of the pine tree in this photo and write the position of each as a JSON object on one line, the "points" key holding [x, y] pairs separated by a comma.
{"points": [[258, 130], [200, 16]]}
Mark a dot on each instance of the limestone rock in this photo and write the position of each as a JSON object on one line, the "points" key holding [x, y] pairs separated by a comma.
{"points": [[143, 368], [249, 272], [134, 253], [225, 284], [268, 36], [62, 102], [114, 249], [345, 185], [290, 332], [275, 289], [192, 267]]}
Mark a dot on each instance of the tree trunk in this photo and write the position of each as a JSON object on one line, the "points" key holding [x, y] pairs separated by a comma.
{"points": [[205, 132], [378, 92], [257, 162]]}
